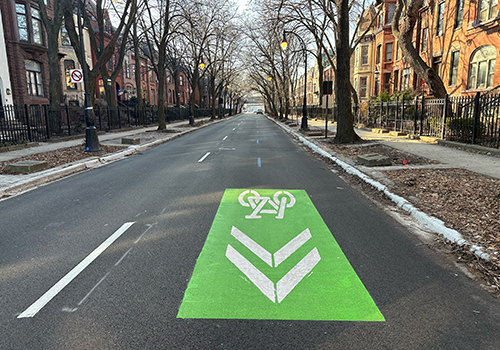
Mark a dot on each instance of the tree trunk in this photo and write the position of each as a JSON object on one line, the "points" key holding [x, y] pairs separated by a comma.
{"points": [[162, 125], [345, 122], [403, 32]]}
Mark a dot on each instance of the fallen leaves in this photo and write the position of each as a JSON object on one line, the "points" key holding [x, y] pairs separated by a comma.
{"points": [[63, 156]]}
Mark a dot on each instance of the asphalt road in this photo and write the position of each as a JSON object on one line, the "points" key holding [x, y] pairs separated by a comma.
{"points": [[128, 297]]}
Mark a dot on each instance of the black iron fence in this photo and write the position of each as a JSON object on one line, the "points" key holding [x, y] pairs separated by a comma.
{"points": [[474, 120], [39, 123]]}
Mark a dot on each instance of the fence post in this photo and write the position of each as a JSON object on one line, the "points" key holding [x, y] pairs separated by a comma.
{"points": [[415, 116], [402, 111], [477, 105], [68, 121], [27, 111], [109, 118], [396, 115], [445, 114], [420, 132], [46, 115]]}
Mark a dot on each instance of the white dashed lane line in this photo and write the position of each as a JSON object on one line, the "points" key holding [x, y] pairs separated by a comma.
{"points": [[203, 158]]}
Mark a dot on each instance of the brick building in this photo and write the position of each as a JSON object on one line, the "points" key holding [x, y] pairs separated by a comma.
{"points": [[5, 84], [25, 43], [458, 39]]}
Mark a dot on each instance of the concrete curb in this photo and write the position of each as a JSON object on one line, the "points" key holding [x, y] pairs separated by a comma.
{"points": [[470, 147], [57, 173], [431, 222]]}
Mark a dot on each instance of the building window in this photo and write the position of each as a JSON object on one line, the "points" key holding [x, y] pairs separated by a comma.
{"points": [[362, 87], [65, 40], [150, 75], [396, 80], [169, 95], [129, 92], [36, 22], [436, 64], [364, 55], [482, 68], [405, 79], [425, 39], [153, 97], [388, 52], [69, 64], [459, 13], [440, 18], [454, 67], [377, 86], [487, 10], [377, 56], [391, 9], [102, 91], [387, 82], [34, 78], [22, 22], [181, 80], [398, 53], [127, 68], [356, 57]]}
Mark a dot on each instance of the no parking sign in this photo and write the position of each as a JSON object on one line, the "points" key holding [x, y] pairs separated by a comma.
{"points": [[76, 75]]}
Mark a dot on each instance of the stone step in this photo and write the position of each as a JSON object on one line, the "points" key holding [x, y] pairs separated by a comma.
{"points": [[26, 167], [374, 159]]}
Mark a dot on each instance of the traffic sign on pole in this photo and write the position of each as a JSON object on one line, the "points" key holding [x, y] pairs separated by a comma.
{"points": [[76, 76]]}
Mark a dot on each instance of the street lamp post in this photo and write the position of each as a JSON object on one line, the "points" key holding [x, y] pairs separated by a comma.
{"points": [[284, 44], [91, 139]]}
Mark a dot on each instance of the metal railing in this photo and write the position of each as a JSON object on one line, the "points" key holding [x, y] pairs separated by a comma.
{"points": [[39, 123]]}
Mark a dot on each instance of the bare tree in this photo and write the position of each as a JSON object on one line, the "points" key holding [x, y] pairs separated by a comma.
{"points": [[96, 19], [158, 25], [53, 28], [201, 23], [402, 29]]}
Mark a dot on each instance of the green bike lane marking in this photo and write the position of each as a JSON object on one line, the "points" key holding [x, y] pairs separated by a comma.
{"points": [[269, 255]]}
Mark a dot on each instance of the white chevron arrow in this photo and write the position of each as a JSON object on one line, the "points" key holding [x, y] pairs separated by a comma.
{"points": [[288, 282]]}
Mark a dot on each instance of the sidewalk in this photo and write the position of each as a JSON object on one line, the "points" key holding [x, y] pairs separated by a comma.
{"points": [[451, 157], [14, 184]]}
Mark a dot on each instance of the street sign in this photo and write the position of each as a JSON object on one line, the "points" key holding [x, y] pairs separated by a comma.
{"points": [[269, 255], [76, 75]]}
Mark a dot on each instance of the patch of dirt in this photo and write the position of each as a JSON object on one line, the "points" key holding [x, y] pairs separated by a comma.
{"points": [[467, 202], [397, 157], [64, 156]]}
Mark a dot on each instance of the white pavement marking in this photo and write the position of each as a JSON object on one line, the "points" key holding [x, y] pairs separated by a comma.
{"points": [[253, 246], [93, 288], [52, 292], [149, 227], [257, 141], [123, 256], [290, 248], [203, 158], [296, 274], [224, 139], [234, 129], [258, 163], [265, 285]]}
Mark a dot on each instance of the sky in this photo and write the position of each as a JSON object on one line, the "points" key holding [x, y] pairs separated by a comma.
{"points": [[241, 4]]}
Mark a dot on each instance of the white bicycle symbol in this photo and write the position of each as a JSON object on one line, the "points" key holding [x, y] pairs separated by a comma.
{"points": [[257, 203]]}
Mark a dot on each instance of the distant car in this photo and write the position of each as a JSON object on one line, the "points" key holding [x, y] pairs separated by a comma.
{"points": [[260, 111]]}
